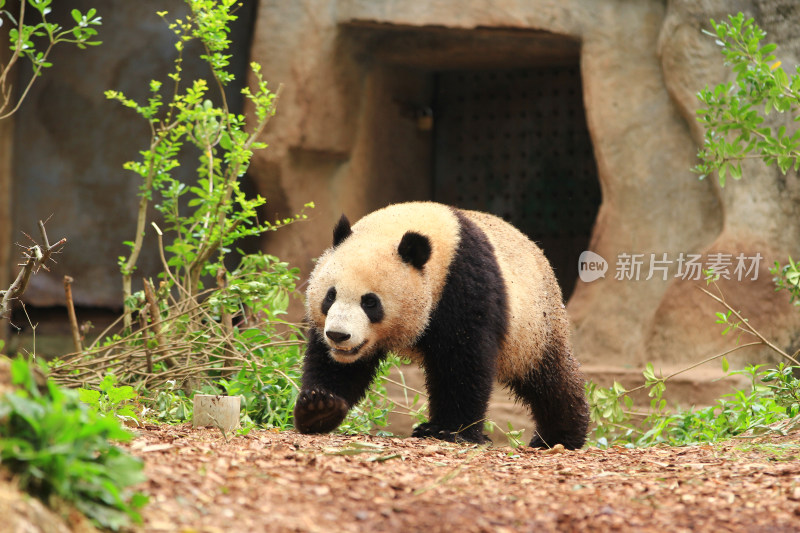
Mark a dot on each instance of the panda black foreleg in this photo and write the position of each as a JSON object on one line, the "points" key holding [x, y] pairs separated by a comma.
{"points": [[554, 391], [330, 389], [459, 386]]}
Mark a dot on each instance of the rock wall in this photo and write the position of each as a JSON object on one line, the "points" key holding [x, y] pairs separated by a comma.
{"points": [[358, 73], [339, 140], [70, 143]]}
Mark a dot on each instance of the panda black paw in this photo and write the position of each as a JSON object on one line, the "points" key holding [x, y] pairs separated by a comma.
{"points": [[319, 411], [434, 431]]}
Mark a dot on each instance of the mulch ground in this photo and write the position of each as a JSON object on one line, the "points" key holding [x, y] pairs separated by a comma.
{"points": [[271, 481]]}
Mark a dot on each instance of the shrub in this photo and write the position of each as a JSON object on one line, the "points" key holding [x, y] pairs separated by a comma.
{"points": [[59, 448]]}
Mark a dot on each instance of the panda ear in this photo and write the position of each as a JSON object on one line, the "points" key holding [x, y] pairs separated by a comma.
{"points": [[341, 231], [414, 249]]}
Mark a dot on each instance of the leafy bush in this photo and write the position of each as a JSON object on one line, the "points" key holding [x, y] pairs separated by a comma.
{"points": [[735, 116], [230, 338], [773, 395], [735, 113], [736, 127], [203, 219], [59, 448], [787, 277], [268, 388], [371, 412], [111, 399], [179, 318]]}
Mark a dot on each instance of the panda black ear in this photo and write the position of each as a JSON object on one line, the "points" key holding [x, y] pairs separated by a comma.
{"points": [[414, 249], [341, 231]]}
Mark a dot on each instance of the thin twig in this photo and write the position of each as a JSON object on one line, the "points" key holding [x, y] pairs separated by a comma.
{"points": [[751, 329], [73, 319], [155, 316]]}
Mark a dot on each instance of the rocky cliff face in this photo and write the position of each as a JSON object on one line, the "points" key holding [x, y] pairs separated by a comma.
{"points": [[355, 131], [341, 140]]}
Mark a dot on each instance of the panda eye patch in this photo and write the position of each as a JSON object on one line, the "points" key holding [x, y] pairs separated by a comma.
{"points": [[372, 307], [327, 302]]}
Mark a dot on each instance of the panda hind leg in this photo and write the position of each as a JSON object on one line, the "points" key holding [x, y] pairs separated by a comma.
{"points": [[554, 391]]}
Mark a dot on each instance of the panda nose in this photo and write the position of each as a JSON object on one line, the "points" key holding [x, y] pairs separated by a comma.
{"points": [[337, 336]]}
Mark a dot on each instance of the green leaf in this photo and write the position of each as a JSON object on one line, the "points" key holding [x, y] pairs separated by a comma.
{"points": [[89, 397], [118, 395]]}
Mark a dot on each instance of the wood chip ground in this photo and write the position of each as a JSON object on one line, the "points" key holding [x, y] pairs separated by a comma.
{"points": [[283, 481]]}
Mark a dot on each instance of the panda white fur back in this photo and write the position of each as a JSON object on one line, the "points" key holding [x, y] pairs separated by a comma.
{"points": [[463, 293]]}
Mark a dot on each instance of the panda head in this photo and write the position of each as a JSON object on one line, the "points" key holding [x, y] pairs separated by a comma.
{"points": [[369, 292]]}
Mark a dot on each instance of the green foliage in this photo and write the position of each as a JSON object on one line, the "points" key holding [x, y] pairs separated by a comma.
{"points": [[773, 395], [787, 277], [371, 413], [111, 399], [514, 436], [735, 113], [229, 338], [35, 42], [785, 388], [58, 448], [268, 385], [170, 405], [202, 220]]}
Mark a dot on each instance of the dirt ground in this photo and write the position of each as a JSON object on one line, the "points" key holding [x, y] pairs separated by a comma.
{"points": [[270, 481]]}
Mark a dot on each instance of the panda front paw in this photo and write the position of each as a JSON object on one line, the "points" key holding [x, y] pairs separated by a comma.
{"points": [[319, 411], [472, 434]]}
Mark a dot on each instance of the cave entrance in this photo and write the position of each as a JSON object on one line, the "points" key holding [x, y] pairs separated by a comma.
{"points": [[485, 118], [514, 142]]}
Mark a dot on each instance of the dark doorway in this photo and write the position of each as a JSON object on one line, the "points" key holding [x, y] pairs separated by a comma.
{"points": [[515, 143]]}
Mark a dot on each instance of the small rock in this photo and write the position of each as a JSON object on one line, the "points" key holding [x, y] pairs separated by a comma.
{"points": [[558, 448]]}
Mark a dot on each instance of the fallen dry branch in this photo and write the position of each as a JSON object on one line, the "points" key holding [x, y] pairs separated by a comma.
{"points": [[36, 257], [196, 346]]}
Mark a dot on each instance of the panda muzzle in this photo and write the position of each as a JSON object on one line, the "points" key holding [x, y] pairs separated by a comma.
{"points": [[352, 351], [348, 351]]}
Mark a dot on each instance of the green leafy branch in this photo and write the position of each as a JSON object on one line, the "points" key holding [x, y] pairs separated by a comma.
{"points": [[23, 39], [612, 408], [735, 123], [787, 277], [735, 112], [111, 399], [219, 212]]}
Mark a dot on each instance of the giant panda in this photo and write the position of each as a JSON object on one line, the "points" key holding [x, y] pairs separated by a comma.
{"points": [[464, 294]]}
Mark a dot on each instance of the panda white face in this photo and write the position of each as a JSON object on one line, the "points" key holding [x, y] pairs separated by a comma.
{"points": [[349, 321], [374, 290]]}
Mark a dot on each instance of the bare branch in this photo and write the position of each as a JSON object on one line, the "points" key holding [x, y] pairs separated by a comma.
{"points": [[35, 258]]}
